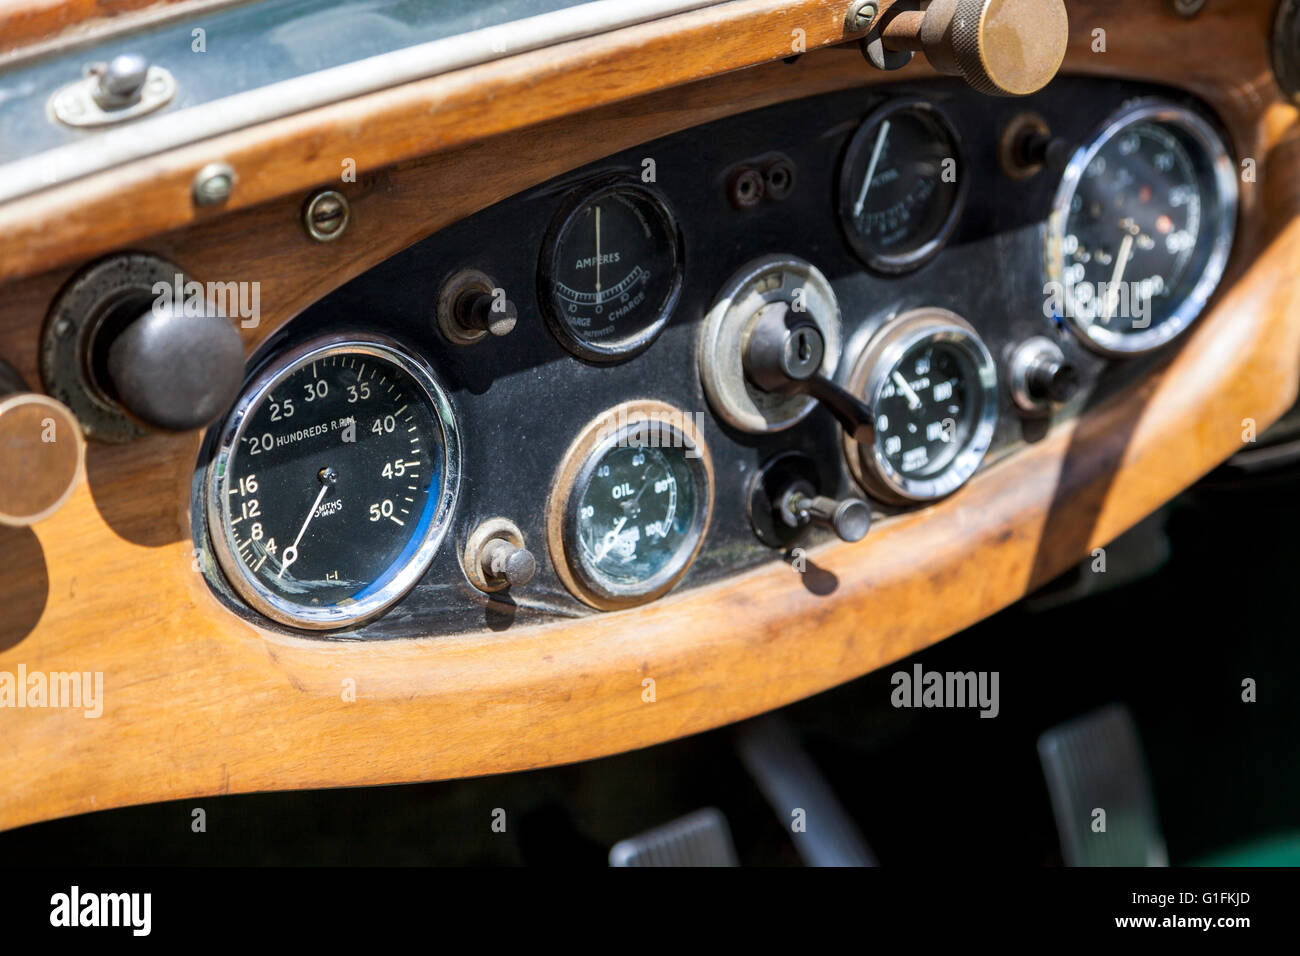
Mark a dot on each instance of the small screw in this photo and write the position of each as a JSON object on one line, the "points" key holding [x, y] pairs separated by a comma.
{"points": [[213, 184], [861, 15], [326, 216], [1188, 8]]}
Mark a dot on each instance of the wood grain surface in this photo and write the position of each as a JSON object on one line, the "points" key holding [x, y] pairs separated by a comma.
{"points": [[197, 702]]}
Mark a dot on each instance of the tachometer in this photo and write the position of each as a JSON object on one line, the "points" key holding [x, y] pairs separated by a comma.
{"points": [[333, 482], [631, 505], [902, 186], [1141, 229], [611, 271]]}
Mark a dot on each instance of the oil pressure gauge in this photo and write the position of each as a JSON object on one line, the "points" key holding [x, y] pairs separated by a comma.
{"points": [[333, 482], [631, 505], [933, 389], [611, 271]]}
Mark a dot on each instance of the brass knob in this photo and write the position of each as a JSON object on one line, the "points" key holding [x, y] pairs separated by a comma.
{"points": [[1000, 47], [42, 455]]}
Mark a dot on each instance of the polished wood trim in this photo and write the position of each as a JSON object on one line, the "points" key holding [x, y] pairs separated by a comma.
{"points": [[83, 218], [198, 702], [37, 27]]}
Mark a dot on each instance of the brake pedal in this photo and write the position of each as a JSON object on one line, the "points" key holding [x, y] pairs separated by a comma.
{"points": [[1101, 791], [701, 838]]}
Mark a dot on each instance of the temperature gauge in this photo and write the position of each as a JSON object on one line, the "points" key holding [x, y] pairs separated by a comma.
{"points": [[631, 505], [611, 272]]}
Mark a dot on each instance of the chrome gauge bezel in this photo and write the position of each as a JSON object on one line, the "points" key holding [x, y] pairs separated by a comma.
{"points": [[871, 372], [617, 350], [604, 433], [1214, 152], [273, 605]]}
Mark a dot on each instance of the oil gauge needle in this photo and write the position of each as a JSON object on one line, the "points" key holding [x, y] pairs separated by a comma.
{"points": [[913, 400], [871, 169], [290, 554], [610, 538]]}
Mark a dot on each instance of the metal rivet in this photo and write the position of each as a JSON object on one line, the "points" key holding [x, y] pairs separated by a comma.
{"points": [[213, 184], [1188, 8], [861, 15], [326, 215]]}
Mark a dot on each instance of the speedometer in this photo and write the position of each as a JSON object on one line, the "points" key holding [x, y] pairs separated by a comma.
{"points": [[333, 482], [1141, 228]]}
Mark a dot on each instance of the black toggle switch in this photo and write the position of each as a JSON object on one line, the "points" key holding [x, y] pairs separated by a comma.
{"points": [[783, 353], [477, 311]]}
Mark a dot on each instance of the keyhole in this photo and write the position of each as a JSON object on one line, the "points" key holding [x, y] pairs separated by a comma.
{"points": [[805, 349]]}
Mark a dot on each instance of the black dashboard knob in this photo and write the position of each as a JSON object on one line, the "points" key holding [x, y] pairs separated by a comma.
{"points": [[782, 354], [1053, 381], [173, 372]]}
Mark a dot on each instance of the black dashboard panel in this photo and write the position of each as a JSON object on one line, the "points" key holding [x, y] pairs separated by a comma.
{"points": [[521, 399]]}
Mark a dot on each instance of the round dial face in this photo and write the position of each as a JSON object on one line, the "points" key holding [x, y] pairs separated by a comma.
{"points": [[933, 390], [630, 506], [901, 187], [927, 408], [611, 272], [636, 514], [333, 484], [1142, 230]]}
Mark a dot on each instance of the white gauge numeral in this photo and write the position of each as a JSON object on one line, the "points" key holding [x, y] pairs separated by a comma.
{"points": [[358, 393], [314, 390], [387, 424], [258, 445], [381, 510], [247, 486], [281, 410], [396, 469]]}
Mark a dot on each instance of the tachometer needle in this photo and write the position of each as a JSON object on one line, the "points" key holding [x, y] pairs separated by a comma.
{"points": [[913, 400], [871, 169], [290, 554]]}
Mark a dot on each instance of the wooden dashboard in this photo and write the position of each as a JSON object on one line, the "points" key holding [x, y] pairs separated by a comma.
{"points": [[199, 702]]}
